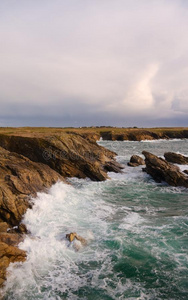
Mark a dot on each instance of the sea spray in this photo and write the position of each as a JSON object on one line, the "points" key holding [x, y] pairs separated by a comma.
{"points": [[136, 231]]}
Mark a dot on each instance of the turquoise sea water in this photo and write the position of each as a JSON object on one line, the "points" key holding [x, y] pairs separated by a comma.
{"points": [[137, 233]]}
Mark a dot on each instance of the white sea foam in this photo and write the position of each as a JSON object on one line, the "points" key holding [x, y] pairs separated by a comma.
{"points": [[131, 221], [120, 218], [163, 140], [52, 260], [182, 167]]}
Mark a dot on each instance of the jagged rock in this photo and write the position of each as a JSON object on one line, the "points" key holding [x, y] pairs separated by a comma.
{"points": [[132, 134], [161, 170], [20, 178], [11, 239], [31, 164], [176, 158], [73, 235], [21, 228], [9, 254], [135, 161], [70, 155], [91, 136], [113, 166]]}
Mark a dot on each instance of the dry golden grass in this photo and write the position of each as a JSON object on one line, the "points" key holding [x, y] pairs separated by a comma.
{"points": [[45, 131]]}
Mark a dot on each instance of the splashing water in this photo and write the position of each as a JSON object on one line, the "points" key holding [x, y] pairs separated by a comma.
{"points": [[136, 232]]}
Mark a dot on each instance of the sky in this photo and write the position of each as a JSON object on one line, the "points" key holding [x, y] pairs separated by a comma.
{"points": [[94, 62]]}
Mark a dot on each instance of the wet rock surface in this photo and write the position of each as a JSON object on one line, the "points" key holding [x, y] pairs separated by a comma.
{"points": [[32, 164], [161, 170], [136, 161], [176, 158], [68, 154], [9, 254]]}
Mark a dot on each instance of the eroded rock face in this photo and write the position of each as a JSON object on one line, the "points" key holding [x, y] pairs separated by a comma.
{"points": [[68, 154], [136, 161], [176, 158], [9, 254], [31, 164], [161, 170], [132, 134], [20, 178]]}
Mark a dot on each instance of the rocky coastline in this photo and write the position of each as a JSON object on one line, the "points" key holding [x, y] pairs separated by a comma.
{"points": [[106, 133], [32, 164], [161, 170], [143, 134], [33, 161]]}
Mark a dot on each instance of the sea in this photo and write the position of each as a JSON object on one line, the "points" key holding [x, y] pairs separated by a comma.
{"points": [[136, 232]]}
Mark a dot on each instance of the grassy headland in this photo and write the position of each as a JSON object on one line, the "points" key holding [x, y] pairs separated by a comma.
{"points": [[108, 133]]}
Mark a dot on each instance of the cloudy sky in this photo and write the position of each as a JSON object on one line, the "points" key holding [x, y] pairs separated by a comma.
{"points": [[94, 62]]}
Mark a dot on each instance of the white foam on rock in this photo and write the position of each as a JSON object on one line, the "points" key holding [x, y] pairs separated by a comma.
{"points": [[52, 262]]}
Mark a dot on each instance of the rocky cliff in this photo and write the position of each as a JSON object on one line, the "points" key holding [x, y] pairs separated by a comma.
{"points": [[32, 164], [143, 134]]}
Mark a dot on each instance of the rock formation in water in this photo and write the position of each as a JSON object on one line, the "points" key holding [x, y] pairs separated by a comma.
{"points": [[32, 164], [136, 161], [176, 158], [161, 170]]}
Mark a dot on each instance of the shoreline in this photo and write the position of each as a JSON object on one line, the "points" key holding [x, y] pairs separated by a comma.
{"points": [[95, 133], [33, 162]]}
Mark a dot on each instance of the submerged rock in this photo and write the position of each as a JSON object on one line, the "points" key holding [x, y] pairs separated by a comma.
{"points": [[135, 161], [161, 170], [73, 235], [176, 158]]}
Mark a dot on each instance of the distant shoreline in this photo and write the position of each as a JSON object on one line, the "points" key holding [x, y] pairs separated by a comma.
{"points": [[107, 133]]}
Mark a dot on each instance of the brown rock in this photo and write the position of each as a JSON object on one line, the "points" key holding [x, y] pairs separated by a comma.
{"points": [[113, 166], [135, 161], [73, 235], [138, 134], [31, 164], [3, 227], [70, 155], [11, 239], [176, 158], [20, 178], [9, 254], [130, 135], [161, 170]]}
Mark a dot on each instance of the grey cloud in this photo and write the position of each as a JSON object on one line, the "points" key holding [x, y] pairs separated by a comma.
{"points": [[94, 61]]}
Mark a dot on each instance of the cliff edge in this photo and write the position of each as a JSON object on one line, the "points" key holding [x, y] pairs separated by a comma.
{"points": [[32, 164]]}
